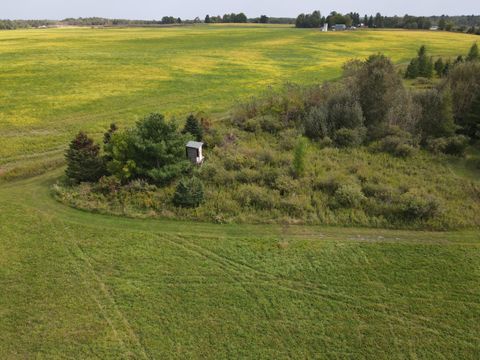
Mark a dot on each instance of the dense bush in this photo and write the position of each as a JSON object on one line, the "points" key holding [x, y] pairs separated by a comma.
{"points": [[348, 196], [189, 193], [349, 137], [416, 206], [454, 145]]}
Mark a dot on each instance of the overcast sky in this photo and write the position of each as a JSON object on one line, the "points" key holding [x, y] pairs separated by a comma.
{"points": [[155, 9]]}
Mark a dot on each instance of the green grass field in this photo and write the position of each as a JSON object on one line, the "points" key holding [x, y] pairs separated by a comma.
{"points": [[80, 285], [75, 284], [56, 82]]}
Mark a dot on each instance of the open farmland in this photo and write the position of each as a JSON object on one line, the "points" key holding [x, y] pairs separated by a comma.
{"points": [[84, 285], [55, 82]]}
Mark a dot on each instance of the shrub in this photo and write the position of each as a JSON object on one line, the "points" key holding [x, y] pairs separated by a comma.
{"points": [[396, 146], [189, 193], [349, 196], [416, 206], [299, 156], [316, 123], [378, 191], [256, 196], [349, 137], [108, 185], [454, 145]]}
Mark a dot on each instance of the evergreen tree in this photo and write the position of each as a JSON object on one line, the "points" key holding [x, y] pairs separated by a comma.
{"points": [[189, 193], [207, 19], [472, 119], [473, 54], [412, 69], [439, 67], [83, 160], [108, 135], [425, 64], [153, 150], [193, 127]]}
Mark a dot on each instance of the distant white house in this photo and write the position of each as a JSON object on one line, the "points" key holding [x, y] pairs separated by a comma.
{"points": [[194, 152], [340, 27], [434, 28]]}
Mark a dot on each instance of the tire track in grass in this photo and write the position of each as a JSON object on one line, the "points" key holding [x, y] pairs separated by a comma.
{"points": [[311, 289], [107, 305]]}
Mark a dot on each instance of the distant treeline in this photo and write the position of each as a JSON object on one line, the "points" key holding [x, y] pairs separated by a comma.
{"points": [[464, 23], [24, 24]]}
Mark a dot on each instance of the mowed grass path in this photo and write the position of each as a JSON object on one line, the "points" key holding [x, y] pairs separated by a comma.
{"points": [[55, 82], [81, 285]]}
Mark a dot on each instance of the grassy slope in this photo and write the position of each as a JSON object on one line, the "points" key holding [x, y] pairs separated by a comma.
{"points": [[57, 81], [76, 284]]}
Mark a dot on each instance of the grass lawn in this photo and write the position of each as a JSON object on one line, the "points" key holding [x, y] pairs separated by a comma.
{"points": [[82, 285]]}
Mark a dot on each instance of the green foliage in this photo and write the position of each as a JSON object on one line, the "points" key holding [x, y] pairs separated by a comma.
{"points": [[453, 145], [83, 160], [316, 125], [464, 82], [416, 206], [439, 67], [437, 114], [349, 137], [473, 54], [193, 127], [153, 150], [421, 66], [189, 193], [348, 196], [299, 157], [379, 87]]}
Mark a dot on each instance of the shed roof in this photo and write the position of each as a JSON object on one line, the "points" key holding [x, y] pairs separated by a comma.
{"points": [[194, 144]]}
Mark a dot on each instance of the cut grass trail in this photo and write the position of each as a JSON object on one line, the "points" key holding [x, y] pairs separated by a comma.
{"points": [[82, 285]]}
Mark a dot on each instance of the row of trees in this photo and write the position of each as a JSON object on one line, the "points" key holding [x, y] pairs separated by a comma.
{"points": [[24, 24], [227, 18], [423, 66], [469, 24]]}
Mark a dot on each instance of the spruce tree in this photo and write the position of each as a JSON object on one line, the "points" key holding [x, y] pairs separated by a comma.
{"points": [[473, 54], [425, 64], [472, 119], [439, 67], [193, 127], [84, 163]]}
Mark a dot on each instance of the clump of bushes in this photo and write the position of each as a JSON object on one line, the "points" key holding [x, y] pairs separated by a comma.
{"points": [[453, 145], [415, 206], [189, 193]]}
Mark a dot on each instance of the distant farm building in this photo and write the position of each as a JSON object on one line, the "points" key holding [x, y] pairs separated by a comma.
{"points": [[194, 152], [339, 27], [325, 27]]}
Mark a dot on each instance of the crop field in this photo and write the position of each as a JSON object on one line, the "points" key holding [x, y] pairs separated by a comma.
{"points": [[58, 81], [83, 285]]}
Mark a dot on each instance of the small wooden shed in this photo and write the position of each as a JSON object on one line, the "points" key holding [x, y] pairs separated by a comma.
{"points": [[194, 152]]}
